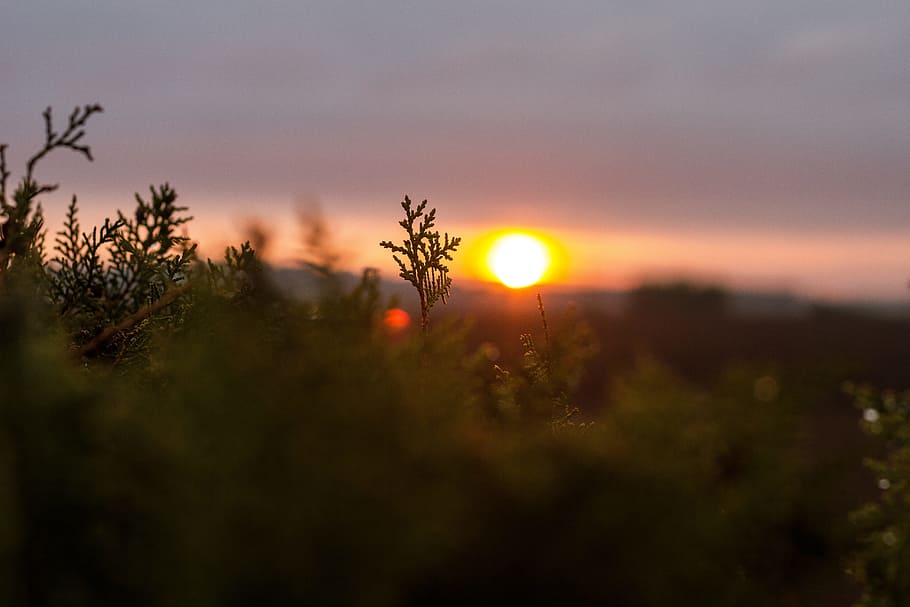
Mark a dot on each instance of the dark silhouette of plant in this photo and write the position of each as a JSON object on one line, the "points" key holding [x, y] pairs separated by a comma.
{"points": [[550, 373], [121, 270], [21, 235], [148, 256], [107, 284], [238, 273], [424, 257]]}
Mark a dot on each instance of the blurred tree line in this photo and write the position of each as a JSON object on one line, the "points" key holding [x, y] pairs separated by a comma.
{"points": [[175, 431]]}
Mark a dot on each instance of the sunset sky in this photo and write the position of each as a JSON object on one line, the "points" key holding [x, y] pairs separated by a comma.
{"points": [[765, 144]]}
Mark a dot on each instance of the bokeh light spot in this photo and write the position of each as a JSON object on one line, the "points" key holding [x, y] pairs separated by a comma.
{"points": [[766, 389], [396, 319]]}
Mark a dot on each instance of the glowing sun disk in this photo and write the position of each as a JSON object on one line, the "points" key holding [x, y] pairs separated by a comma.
{"points": [[518, 260]]}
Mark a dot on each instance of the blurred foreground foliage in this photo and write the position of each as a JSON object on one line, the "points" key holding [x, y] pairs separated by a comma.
{"points": [[176, 432], [883, 558], [267, 455]]}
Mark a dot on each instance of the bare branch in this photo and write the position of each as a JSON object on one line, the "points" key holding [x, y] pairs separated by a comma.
{"points": [[68, 139]]}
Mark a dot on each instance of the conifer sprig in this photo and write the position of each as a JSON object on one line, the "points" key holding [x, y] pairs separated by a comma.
{"points": [[425, 254], [77, 281]]}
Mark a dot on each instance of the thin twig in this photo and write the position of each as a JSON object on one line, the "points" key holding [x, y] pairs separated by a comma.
{"points": [[69, 139], [4, 175], [135, 318], [543, 317]]}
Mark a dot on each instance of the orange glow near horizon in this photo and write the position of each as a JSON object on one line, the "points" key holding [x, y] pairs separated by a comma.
{"points": [[824, 264]]}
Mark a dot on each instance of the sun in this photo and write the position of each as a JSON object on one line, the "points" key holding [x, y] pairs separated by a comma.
{"points": [[518, 260]]}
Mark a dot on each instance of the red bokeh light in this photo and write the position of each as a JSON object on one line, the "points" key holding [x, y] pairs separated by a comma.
{"points": [[396, 319]]}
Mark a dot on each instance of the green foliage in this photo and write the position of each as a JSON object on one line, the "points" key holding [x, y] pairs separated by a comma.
{"points": [[883, 558], [542, 389], [263, 455], [77, 280], [424, 257], [114, 275], [148, 255], [239, 272]]}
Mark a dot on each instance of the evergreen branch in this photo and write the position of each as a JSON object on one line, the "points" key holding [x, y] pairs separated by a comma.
{"points": [[425, 269], [169, 296]]}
